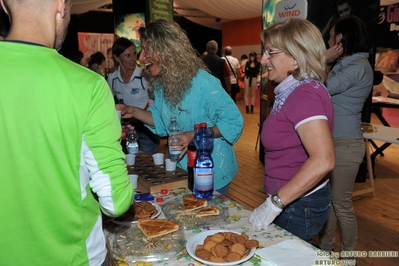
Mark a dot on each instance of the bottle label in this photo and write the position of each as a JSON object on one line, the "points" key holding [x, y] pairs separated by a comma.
{"points": [[203, 179], [174, 152], [123, 132], [191, 158], [132, 148]]}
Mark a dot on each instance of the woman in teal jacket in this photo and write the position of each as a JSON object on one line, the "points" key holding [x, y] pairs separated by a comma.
{"points": [[185, 89]]}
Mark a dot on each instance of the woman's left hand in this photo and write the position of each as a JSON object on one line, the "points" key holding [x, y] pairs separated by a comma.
{"points": [[184, 140], [333, 53], [264, 215]]}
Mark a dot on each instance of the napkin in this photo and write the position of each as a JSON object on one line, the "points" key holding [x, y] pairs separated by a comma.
{"points": [[288, 253]]}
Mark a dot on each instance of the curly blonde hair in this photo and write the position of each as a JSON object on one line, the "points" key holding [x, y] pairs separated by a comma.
{"points": [[168, 45]]}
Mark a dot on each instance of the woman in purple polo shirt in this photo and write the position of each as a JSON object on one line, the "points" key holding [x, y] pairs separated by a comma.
{"points": [[297, 135]]}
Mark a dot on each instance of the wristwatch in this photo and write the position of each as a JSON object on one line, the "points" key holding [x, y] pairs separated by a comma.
{"points": [[277, 201]]}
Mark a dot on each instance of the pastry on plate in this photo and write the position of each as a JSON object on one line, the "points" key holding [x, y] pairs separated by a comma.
{"points": [[152, 228], [210, 211], [192, 203], [138, 210]]}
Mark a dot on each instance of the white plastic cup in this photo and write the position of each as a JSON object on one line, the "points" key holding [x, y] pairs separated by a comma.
{"points": [[158, 158], [130, 159], [169, 165], [133, 179], [118, 112]]}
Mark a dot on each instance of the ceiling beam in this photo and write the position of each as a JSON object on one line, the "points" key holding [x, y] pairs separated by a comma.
{"points": [[178, 12], [191, 12]]}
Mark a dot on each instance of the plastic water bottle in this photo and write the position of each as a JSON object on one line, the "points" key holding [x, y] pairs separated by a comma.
{"points": [[174, 129], [123, 137], [203, 168], [132, 145], [191, 155]]}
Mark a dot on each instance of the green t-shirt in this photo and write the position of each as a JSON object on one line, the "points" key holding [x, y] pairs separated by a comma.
{"points": [[61, 159]]}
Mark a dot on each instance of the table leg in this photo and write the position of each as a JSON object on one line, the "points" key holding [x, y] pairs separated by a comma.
{"points": [[375, 147], [380, 149], [370, 167], [378, 113], [371, 189]]}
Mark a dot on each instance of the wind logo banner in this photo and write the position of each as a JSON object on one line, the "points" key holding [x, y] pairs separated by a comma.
{"points": [[291, 9]]}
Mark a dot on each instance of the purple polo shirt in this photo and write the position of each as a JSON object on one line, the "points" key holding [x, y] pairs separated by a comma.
{"points": [[284, 153]]}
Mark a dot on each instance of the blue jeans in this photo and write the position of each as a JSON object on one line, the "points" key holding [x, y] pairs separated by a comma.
{"points": [[147, 144], [306, 216]]}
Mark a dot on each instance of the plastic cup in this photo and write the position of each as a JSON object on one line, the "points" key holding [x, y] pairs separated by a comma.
{"points": [[130, 159], [133, 179], [158, 158], [119, 114], [169, 165]]}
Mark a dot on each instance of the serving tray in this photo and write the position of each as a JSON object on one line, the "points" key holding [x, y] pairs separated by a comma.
{"points": [[174, 210], [130, 245]]}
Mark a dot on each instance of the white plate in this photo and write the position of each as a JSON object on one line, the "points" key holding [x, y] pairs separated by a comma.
{"points": [[159, 211], [198, 239]]}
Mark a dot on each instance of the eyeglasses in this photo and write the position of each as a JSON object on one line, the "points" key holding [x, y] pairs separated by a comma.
{"points": [[269, 53], [344, 10]]}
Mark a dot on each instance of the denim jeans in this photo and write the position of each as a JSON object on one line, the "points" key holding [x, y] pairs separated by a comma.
{"points": [[147, 143], [306, 216]]}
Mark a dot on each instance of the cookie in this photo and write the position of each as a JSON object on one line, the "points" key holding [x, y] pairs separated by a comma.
{"points": [[245, 236], [239, 239], [226, 247], [218, 238], [217, 259], [227, 235], [252, 243], [209, 244], [199, 247], [220, 251], [203, 254], [207, 238], [227, 243], [239, 248], [233, 256]]}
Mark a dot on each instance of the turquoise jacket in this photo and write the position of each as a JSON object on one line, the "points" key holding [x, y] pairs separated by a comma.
{"points": [[206, 101]]}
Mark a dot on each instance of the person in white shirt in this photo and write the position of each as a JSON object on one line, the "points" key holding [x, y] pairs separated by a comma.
{"points": [[130, 87], [234, 67]]}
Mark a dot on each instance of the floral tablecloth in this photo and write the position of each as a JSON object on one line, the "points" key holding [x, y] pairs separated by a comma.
{"points": [[238, 221]]}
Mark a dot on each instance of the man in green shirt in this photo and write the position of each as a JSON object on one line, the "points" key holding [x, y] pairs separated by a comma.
{"points": [[61, 163]]}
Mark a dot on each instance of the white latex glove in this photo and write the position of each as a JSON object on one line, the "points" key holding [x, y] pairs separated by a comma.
{"points": [[264, 215]]}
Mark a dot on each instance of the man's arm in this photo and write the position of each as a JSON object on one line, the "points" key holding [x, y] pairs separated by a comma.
{"points": [[238, 74]]}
